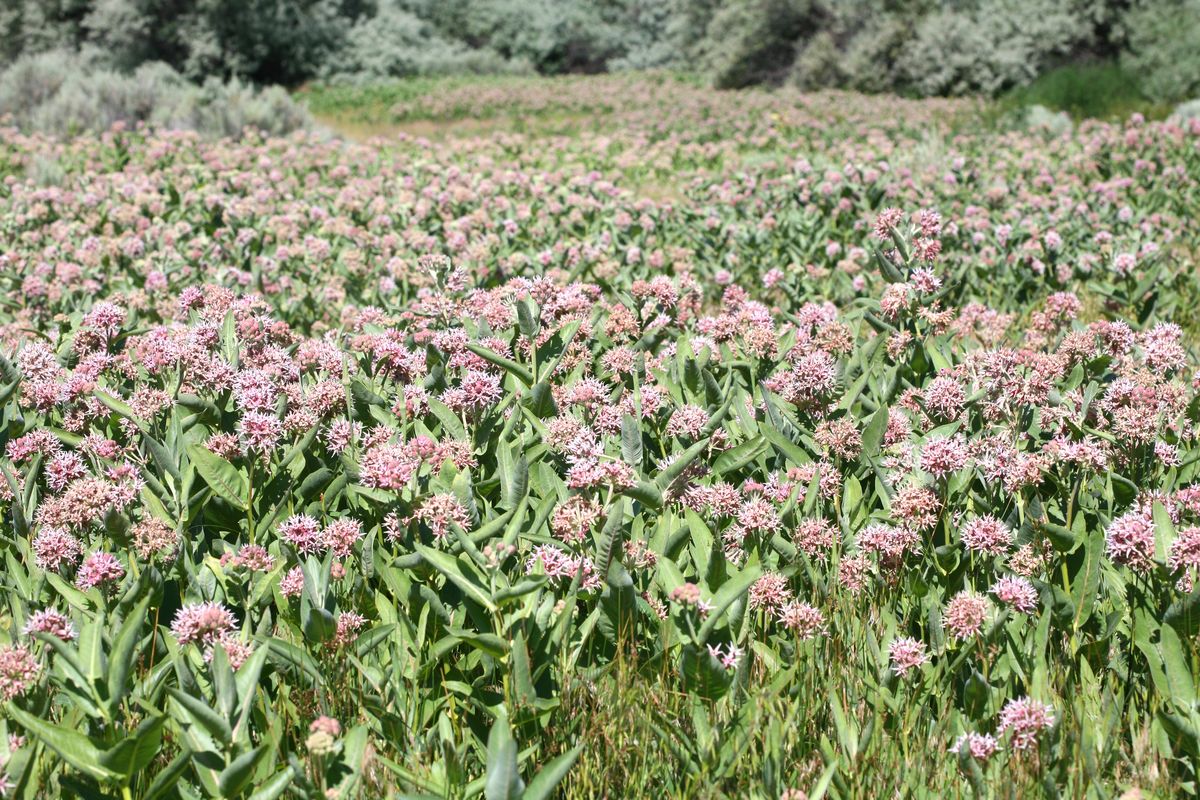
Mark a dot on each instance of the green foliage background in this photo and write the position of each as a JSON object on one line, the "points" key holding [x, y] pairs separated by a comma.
{"points": [[920, 47]]}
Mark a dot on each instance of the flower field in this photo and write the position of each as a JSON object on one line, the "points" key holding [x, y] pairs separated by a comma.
{"points": [[681, 444]]}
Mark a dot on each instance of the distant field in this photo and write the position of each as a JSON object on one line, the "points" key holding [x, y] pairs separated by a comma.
{"points": [[475, 104], [536, 105]]}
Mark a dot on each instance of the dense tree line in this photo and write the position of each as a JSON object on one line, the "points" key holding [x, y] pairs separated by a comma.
{"points": [[916, 46]]}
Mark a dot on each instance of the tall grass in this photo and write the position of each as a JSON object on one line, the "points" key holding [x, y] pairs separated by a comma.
{"points": [[1097, 91]]}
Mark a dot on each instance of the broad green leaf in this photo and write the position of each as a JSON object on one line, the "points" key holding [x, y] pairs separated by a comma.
{"points": [[514, 475], [738, 457], [453, 570], [519, 371], [503, 779], [226, 481], [725, 596], [234, 778], [166, 778], [872, 436], [121, 660], [275, 786], [1164, 532], [1086, 584], [550, 776], [665, 478], [1175, 661], [72, 746], [631, 442], [200, 714], [135, 752], [522, 680]]}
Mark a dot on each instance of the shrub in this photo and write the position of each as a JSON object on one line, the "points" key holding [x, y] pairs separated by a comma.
{"points": [[1186, 111], [870, 55], [397, 43], [59, 92], [989, 47], [33, 80], [268, 41], [552, 35], [1040, 118], [647, 43], [752, 41], [915, 46], [818, 64], [228, 108], [1164, 48]]}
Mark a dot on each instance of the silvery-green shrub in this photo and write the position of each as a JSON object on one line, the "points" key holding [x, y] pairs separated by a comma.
{"points": [[1163, 47]]}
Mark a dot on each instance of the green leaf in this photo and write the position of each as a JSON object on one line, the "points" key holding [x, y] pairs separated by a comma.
{"points": [[1164, 532], [519, 371], [669, 576], [522, 680], [676, 467], [361, 391], [1086, 585], [1184, 614], [226, 481], [617, 604], [200, 714], [222, 681], [453, 570], [167, 777], [72, 746], [233, 779], [702, 673], [246, 681], [295, 657], [121, 660], [20, 523], [788, 448], [488, 643], [135, 752], [91, 649], [514, 476], [631, 442], [969, 766], [67, 659], [540, 400], [275, 787], [157, 507], [645, 493], [369, 640], [609, 534], [119, 407], [1179, 675], [354, 754], [529, 323], [821, 787], [872, 436], [544, 783], [503, 779], [520, 589], [725, 596], [318, 624], [451, 424], [740, 456]]}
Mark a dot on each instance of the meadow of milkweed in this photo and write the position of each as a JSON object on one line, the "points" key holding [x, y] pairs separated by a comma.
{"points": [[672, 443]]}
